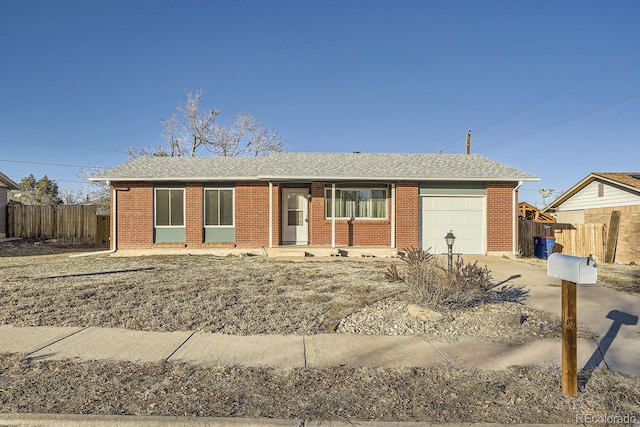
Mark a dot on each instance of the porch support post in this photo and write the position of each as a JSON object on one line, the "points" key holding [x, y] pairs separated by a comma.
{"points": [[333, 215], [514, 219], [270, 214], [393, 216]]}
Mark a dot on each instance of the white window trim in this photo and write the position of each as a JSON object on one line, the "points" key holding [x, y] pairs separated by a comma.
{"points": [[386, 203], [184, 207], [233, 207]]}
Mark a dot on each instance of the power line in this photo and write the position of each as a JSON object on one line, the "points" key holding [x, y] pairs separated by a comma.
{"points": [[546, 98], [46, 164], [562, 122]]}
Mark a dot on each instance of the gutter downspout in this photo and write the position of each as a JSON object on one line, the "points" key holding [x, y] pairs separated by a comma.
{"points": [[270, 215], [515, 219], [114, 234], [333, 215], [393, 216]]}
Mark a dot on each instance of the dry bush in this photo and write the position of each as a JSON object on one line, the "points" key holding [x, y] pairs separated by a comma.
{"points": [[432, 285]]}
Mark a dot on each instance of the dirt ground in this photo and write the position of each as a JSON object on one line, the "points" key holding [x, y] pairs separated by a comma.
{"points": [[247, 295]]}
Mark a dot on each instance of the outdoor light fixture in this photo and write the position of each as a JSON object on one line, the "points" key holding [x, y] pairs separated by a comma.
{"points": [[450, 239], [307, 196]]}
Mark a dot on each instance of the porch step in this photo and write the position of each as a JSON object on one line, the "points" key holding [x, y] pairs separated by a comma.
{"points": [[292, 254]]}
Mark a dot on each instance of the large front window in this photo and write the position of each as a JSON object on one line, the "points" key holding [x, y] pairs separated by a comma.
{"points": [[218, 207], [357, 203], [169, 207]]}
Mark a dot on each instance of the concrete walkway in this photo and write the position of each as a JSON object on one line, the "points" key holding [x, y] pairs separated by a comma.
{"points": [[282, 351]]}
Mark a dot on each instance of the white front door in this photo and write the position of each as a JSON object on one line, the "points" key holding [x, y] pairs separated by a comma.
{"points": [[295, 216]]}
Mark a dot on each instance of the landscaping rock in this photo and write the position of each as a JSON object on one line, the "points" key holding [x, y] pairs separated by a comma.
{"points": [[424, 314]]}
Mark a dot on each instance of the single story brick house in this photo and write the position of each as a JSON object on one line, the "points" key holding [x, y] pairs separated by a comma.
{"points": [[6, 185], [316, 200]]}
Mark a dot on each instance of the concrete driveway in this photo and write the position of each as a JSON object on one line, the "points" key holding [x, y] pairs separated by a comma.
{"points": [[612, 314]]}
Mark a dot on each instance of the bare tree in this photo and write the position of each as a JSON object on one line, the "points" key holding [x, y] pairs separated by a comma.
{"points": [[72, 196], [99, 192], [245, 136], [134, 152], [173, 135], [193, 129], [199, 127]]}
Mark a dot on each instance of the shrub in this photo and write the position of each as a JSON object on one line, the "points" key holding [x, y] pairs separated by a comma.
{"points": [[430, 284]]}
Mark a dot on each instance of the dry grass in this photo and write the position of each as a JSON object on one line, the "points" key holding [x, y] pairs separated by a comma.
{"points": [[177, 293], [516, 395]]}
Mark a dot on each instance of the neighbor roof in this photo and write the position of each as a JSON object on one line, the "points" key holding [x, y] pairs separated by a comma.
{"points": [[5, 181], [317, 166], [625, 180]]}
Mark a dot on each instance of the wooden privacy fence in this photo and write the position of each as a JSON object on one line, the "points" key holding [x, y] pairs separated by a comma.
{"points": [[571, 239], [67, 224]]}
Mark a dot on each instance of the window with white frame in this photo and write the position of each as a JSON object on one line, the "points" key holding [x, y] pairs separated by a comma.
{"points": [[169, 208], [218, 207], [361, 203]]}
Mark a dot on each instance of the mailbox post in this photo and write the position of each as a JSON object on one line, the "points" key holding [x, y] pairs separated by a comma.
{"points": [[573, 271]]}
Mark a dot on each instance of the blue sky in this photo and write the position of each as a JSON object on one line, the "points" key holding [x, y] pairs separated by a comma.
{"points": [[81, 81]]}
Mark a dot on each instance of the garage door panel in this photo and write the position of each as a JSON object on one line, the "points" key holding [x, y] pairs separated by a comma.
{"points": [[463, 215]]}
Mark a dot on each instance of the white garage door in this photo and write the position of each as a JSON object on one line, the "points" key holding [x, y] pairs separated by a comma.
{"points": [[463, 215]]}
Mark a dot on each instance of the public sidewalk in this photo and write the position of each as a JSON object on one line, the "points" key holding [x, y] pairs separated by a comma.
{"points": [[281, 351]]}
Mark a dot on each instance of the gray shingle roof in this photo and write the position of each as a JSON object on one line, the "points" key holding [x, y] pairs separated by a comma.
{"points": [[317, 166]]}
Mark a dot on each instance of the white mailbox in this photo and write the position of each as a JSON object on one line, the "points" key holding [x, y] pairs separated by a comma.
{"points": [[581, 271]]}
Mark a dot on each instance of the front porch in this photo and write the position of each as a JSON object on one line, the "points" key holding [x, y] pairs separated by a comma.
{"points": [[306, 251]]}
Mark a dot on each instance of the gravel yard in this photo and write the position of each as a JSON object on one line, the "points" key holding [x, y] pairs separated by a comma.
{"points": [[252, 295]]}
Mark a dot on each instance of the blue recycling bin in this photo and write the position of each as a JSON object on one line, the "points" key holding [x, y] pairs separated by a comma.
{"points": [[543, 246]]}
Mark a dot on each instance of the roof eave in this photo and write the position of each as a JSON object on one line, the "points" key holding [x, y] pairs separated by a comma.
{"points": [[580, 185], [10, 184], [313, 178], [390, 178]]}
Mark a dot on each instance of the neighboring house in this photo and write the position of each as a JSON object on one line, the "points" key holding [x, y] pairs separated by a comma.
{"points": [[316, 200], [594, 198], [6, 185]]}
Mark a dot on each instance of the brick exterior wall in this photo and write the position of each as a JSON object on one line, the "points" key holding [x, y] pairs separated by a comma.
{"points": [[500, 216], [134, 215], [628, 246], [407, 215], [194, 217], [348, 233], [135, 218], [252, 214]]}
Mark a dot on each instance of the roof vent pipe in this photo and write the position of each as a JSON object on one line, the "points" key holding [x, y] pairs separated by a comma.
{"points": [[469, 142]]}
